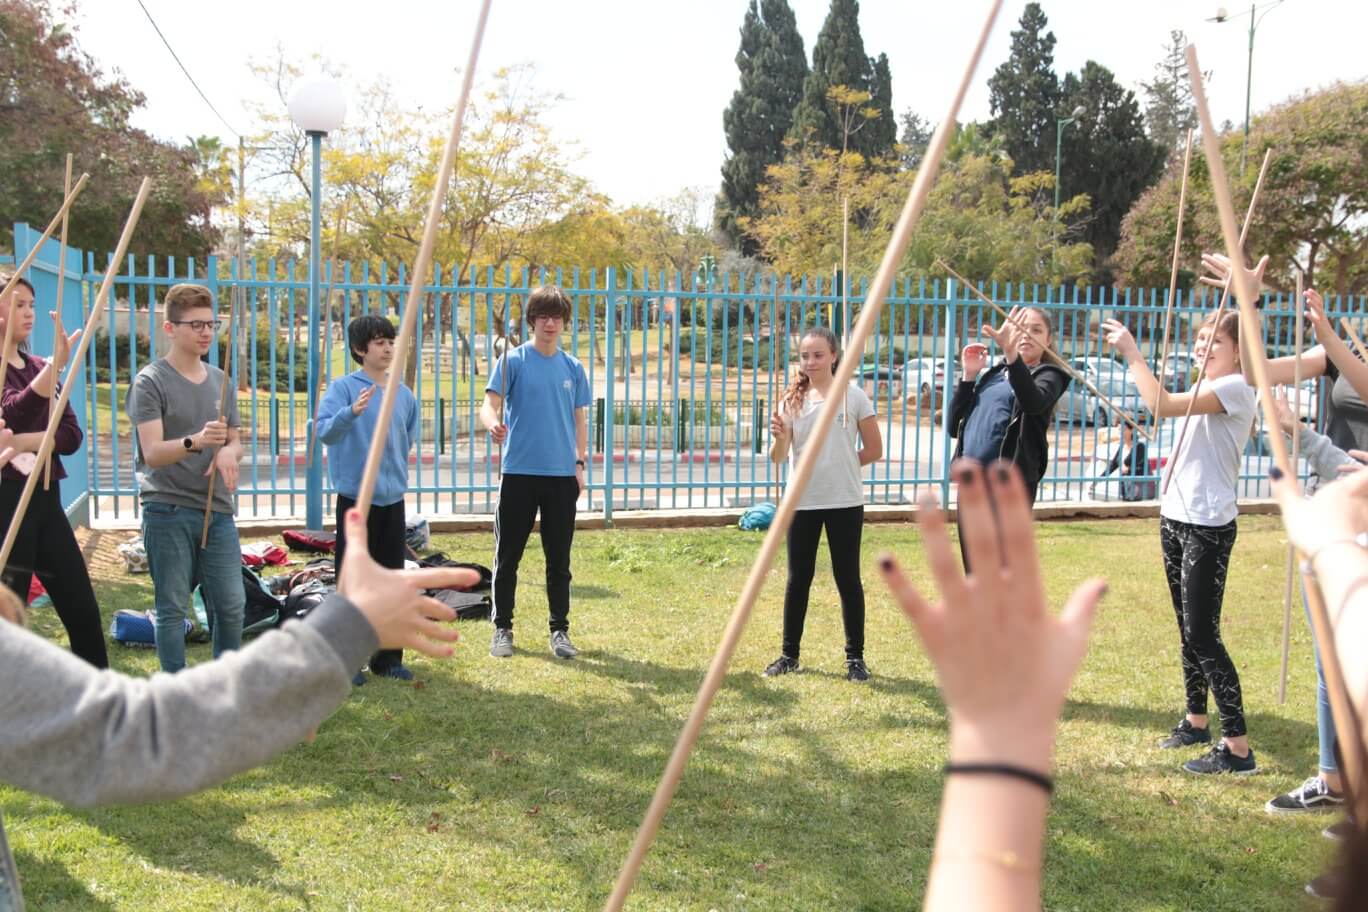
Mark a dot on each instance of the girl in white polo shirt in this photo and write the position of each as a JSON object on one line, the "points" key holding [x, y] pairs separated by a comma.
{"points": [[834, 497], [1197, 532]]}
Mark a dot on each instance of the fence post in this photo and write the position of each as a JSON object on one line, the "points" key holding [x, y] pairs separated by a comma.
{"points": [[948, 386], [610, 373], [757, 425]]}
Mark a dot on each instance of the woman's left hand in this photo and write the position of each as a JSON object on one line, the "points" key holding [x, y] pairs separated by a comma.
{"points": [[1119, 337], [1006, 336]]}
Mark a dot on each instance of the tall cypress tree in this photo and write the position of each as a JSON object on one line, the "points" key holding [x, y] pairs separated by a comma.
{"points": [[879, 137], [773, 67], [838, 58], [1169, 107], [1024, 95]]}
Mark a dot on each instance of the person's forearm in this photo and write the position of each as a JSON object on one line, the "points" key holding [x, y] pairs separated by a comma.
{"points": [[164, 453], [1350, 367], [28, 442], [490, 418], [1146, 383], [88, 737], [779, 448], [581, 437], [45, 384]]}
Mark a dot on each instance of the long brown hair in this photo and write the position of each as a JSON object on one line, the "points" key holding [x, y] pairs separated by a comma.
{"points": [[793, 396]]}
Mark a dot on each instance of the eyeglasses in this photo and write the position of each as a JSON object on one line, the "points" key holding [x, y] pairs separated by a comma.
{"points": [[198, 326]]}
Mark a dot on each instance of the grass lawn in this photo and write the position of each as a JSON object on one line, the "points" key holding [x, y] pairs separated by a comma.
{"points": [[519, 784]]}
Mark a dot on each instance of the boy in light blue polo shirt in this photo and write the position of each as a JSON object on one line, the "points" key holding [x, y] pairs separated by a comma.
{"points": [[536, 406], [347, 421]]}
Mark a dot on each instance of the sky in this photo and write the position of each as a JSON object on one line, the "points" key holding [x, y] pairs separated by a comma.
{"points": [[646, 81]]}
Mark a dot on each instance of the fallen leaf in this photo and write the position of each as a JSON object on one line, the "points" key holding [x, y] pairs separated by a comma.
{"points": [[760, 867], [1168, 799], [394, 778], [1250, 850], [419, 685], [534, 810], [499, 756]]}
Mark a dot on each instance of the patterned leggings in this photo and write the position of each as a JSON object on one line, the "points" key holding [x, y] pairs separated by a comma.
{"points": [[1196, 559]]}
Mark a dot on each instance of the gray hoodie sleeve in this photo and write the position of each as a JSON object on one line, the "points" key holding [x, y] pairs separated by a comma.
{"points": [[1323, 456], [89, 737]]}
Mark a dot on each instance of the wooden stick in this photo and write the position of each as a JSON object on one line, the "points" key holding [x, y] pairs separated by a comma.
{"points": [[1220, 311], [229, 387], [326, 341], [1353, 337], [28, 261], [1173, 284], [420, 273], [1346, 722], [1068, 368], [77, 362], [869, 317], [61, 286], [1296, 454]]}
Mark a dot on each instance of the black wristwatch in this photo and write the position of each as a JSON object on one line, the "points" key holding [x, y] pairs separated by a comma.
{"points": [[579, 463], [189, 444]]}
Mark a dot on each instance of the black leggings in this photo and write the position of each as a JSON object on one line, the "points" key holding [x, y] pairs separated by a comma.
{"points": [[385, 527], [843, 528], [521, 498], [1195, 561], [46, 547]]}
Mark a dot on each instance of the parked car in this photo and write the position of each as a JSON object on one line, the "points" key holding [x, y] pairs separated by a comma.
{"points": [[924, 378], [879, 380]]}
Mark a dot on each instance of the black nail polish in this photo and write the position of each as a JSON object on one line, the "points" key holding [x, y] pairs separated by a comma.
{"points": [[1003, 473], [885, 564], [1275, 473]]}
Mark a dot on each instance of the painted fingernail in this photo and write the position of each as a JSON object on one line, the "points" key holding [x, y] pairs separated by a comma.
{"points": [[1002, 473], [964, 476], [886, 564], [1275, 473]]}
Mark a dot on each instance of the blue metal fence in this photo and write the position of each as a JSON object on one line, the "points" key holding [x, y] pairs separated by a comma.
{"points": [[685, 373]]}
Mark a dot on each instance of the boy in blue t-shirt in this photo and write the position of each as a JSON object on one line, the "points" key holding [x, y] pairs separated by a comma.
{"points": [[539, 416], [346, 423]]}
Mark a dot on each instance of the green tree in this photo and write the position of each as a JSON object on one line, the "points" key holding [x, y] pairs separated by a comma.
{"points": [[838, 59], [1023, 94], [54, 99], [1311, 210], [1106, 153], [914, 138], [1169, 109], [773, 67]]}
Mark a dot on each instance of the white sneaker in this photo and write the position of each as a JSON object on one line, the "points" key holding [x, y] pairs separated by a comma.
{"points": [[501, 647], [561, 647]]}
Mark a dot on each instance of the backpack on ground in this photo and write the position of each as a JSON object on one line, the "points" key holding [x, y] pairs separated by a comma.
{"points": [[441, 560], [469, 606], [316, 541], [304, 598], [417, 533]]}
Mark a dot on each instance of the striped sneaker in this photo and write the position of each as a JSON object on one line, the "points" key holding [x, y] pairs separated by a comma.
{"points": [[1311, 795]]}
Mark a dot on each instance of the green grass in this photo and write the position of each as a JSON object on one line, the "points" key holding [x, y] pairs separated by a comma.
{"points": [[519, 784]]}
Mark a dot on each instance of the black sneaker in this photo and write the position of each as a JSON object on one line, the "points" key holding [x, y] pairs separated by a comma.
{"points": [[1311, 795], [1185, 735], [856, 670], [1329, 885], [1339, 832], [781, 666], [1220, 760]]}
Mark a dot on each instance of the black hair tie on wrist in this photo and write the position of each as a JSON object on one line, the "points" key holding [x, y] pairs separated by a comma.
{"points": [[1003, 769]]}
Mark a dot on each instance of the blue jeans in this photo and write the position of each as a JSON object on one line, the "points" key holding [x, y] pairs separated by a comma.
{"points": [[1325, 720], [171, 535]]}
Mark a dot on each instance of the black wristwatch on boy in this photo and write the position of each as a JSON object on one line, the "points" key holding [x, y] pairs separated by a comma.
{"points": [[579, 463]]}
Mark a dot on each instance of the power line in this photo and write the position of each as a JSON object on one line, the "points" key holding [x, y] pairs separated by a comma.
{"points": [[176, 58]]}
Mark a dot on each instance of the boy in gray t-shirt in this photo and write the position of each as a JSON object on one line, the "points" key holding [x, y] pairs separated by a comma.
{"points": [[174, 404]]}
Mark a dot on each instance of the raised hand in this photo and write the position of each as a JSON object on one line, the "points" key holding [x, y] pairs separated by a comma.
{"points": [[973, 359], [1003, 661], [1006, 336], [363, 400], [1119, 337], [61, 342], [1315, 312], [1218, 264], [1287, 421]]}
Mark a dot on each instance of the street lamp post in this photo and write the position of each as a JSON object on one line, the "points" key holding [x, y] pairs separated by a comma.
{"points": [[1060, 124], [1223, 16], [317, 107]]}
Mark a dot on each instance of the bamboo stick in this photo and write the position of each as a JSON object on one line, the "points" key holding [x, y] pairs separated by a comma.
{"points": [[1220, 311], [420, 272], [28, 261], [1346, 721], [1173, 284], [1068, 368], [1353, 337], [77, 362], [869, 316], [1296, 454], [229, 387], [61, 286]]}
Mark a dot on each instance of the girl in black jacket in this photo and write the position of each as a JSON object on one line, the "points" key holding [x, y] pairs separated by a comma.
{"points": [[1004, 413]]}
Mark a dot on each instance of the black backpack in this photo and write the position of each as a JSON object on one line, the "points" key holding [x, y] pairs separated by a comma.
{"points": [[262, 611]]}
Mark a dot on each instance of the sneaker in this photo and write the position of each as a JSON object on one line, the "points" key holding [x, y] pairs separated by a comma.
{"points": [[1311, 795], [358, 679], [856, 670], [1220, 760], [561, 647], [1339, 832], [501, 647], [399, 672], [781, 666], [1329, 885], [1186, 735]]}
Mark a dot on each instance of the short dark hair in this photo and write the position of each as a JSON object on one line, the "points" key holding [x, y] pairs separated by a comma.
{"points": [[7, 274], [186, 296], [364, 330], [547, 301]]}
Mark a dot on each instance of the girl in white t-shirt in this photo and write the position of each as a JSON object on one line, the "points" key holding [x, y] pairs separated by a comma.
{"points": [[1197, 531], [834, 496]]}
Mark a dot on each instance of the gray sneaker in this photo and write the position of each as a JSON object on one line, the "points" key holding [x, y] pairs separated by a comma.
{"points": [[561, 647], [501, 647]]}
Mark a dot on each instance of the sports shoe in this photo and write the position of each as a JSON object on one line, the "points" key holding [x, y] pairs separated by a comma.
{"points": [[501, 647], [561, 647], [1340, 831], [781, 666], [1329, 885], [398, 672], [856, 670], [1186, 735], [1311, 795], [1220, 760]]}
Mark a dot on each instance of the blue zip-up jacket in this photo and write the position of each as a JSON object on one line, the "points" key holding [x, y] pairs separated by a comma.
{"points": [[348, 436]]}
